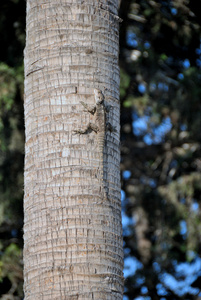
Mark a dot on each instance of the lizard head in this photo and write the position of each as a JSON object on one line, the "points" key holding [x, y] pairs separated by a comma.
{"points": [[99, 97]]}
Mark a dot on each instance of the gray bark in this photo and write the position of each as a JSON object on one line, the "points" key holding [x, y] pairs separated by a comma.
{"points": [[72, 235]]}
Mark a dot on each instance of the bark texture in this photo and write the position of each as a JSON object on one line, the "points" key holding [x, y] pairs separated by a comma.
{"points": [[72, 236]]}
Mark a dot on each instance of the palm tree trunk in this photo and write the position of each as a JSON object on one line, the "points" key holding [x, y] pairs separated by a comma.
{"points": [[72, 227]]}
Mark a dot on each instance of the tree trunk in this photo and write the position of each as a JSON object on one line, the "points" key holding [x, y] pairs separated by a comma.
{"points": [[72, 225]]}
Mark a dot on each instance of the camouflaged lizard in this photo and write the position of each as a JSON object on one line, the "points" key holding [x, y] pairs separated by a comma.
{"points": [[100, 127]]}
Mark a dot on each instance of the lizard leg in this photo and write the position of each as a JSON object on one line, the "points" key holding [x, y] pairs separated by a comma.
{"points": [[93, 127], [89, 127], [89, 108], [107, 108], [81, 131], [110, 128]]}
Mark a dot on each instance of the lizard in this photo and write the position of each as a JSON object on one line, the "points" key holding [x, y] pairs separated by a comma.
{"points": [[100, 127]]}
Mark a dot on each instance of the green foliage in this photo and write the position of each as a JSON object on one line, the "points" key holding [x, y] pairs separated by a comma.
{"points": [[124, 82], [161, 55], [7, 94], [7, 86], [11, 140], [11, 267], [12, 30]]}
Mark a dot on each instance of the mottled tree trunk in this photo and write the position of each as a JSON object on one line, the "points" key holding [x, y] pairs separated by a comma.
{"points": [[72, 232]]}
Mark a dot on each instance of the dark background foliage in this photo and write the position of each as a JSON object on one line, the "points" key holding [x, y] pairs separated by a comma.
{"points": [[161, 156], [160, 60]]}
